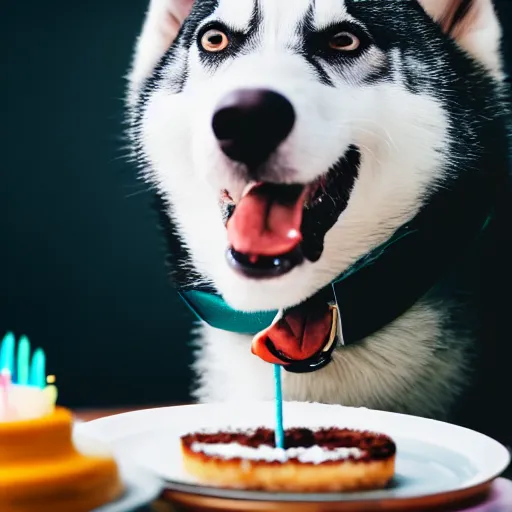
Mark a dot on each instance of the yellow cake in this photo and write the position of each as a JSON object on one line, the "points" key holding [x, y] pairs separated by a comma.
{"points": [[41, 469]]}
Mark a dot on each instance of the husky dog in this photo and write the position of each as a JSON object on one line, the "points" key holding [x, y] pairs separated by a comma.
{"points": [[343, 163]]}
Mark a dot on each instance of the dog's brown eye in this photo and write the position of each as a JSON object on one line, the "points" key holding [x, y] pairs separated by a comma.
{"points": [[345, 42], [214, 41]]}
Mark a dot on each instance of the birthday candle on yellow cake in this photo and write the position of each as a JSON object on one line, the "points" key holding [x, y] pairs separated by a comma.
{"points": [[7, 352], [37, 369], [23, 357]]}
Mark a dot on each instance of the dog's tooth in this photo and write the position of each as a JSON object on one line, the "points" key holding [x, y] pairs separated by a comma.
{"points": [[248, 188], [236, 192]]}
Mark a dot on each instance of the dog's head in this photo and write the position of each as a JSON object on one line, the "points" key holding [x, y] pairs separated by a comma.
{"points": [[291, 137]]}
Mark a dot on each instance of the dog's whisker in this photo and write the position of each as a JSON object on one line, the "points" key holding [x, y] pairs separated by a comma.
{"points": [[377, 136]]}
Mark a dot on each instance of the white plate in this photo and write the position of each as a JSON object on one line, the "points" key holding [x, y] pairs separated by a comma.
{"points": [[433, 457]]}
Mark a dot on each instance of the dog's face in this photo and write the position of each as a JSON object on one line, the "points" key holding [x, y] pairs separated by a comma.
{"points": [[292, 137]]}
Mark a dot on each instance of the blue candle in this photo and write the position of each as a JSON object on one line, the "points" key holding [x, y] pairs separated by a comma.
{"points": [[23, 356], [7, 353], [279, 407], [38, 369]]}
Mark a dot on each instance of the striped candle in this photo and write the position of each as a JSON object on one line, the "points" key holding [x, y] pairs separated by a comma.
{"points": [[5, 384]]}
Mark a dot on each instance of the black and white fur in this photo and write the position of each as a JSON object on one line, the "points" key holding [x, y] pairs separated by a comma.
{"points": [[420, 104]]}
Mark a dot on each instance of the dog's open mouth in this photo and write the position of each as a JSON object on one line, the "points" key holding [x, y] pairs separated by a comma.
{"points": [[274, 227]]}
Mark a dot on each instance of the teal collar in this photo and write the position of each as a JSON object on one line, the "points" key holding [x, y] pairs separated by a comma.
{"points": [[214, 310], [371, 293]]}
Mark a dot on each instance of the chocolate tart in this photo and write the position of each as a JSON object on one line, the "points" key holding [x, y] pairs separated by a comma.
{"points": [[325, 460]]}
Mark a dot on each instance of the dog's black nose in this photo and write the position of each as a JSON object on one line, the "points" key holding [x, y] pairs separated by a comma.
{"points": [[250, 124]]}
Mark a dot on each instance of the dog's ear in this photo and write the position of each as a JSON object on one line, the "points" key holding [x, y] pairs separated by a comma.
{"points": [[161, 26], [474, 26]]}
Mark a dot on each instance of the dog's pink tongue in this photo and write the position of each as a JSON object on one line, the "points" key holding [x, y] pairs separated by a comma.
{"points": [[267, 220]]}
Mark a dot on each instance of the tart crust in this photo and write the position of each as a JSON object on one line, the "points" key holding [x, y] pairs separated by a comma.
{"points": [[327, 460]]}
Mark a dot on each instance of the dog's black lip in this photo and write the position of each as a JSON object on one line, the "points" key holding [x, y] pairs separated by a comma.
{"points": [[318, 218], [316, 362], [267, 266]]}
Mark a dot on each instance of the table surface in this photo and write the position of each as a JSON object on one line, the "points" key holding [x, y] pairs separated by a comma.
{"points": [[96, 414]]}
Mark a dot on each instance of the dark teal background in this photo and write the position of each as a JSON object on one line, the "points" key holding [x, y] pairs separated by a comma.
{"points": [[81, 260]]}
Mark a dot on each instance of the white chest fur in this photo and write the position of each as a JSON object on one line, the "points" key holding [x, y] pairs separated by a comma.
{"points": [[412, 366]]}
